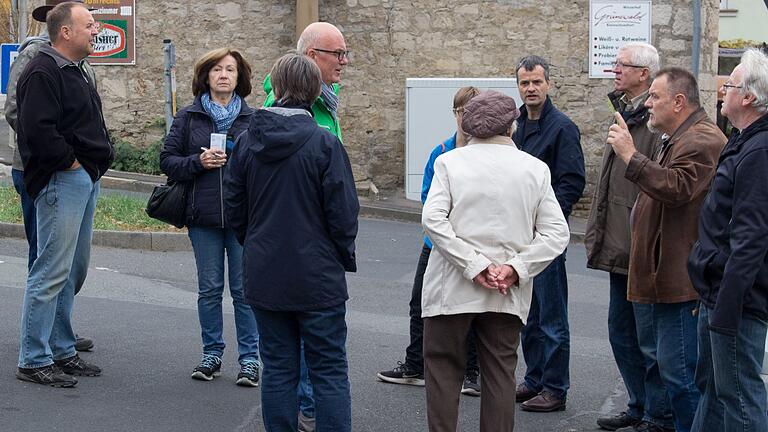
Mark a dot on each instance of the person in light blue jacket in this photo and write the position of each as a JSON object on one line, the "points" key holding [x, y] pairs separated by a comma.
{"points": [[412, 371]]}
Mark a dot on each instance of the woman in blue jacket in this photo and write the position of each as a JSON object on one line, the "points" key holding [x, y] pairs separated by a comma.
{"points": [[191, 154]]}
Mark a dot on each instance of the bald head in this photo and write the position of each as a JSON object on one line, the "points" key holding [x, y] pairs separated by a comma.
{"points": [[324, 44], [313, 34]]}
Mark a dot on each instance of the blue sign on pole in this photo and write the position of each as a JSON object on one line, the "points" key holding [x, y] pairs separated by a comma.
{"points": [[8, 53]]}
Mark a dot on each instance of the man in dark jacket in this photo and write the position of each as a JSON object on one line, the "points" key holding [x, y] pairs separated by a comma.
{"points": [[27, 51], [607, 240], [672, 184], [545, 132], [729, 264], [65, 149], [290, 197]]}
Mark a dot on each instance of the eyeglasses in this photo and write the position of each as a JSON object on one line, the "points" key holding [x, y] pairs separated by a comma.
{"points": [[728, 85], [340, 54], [457, 111], [621, 65]]}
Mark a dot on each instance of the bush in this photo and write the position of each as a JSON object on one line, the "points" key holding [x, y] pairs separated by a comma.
{"points": [[133, 159]]}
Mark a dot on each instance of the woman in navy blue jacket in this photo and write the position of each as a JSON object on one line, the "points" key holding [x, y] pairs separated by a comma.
{"points": [[191, 154], [290, 197]]}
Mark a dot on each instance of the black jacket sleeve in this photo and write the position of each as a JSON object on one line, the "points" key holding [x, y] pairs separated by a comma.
{"points": [[749, 229], [568, 173], [340, 204], [235, 193], [176, 161]]}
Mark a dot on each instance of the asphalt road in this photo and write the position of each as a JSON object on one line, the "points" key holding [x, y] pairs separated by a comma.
{"points": [[139, 307]]}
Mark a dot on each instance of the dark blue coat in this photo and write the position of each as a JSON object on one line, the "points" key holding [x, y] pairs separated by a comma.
{"points": [[556, 142], [290, 197], [729, 264], [180, 161]]}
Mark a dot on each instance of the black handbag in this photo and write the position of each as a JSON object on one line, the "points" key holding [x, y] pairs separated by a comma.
{"points": [[168, 202]]}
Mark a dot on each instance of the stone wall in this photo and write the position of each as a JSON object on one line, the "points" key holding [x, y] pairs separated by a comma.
{"points": [[391, 41]]}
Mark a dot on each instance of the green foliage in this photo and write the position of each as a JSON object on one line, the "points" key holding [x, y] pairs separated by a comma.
{"points": [[113, 212], [134, 159]]}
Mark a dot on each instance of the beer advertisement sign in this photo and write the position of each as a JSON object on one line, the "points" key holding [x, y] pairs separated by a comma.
{"points": [[116, 42]]}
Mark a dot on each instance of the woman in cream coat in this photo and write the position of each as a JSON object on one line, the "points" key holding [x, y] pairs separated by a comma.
{"points": [[494, 221]]}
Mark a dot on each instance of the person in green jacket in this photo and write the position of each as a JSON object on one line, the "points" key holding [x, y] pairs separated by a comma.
{"points": [[324, 44]]}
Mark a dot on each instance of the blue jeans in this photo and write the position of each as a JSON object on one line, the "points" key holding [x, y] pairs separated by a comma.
{"points": [[545, 338], [306, 400], [210, 246], [65, 209], [28, 215], [324, 333], [675, 347], [733, 396], [622, 334], [657, 408]]}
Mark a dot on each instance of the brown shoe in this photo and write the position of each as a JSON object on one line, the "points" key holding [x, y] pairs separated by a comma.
{"points": [[544, 402], [523, 393]]}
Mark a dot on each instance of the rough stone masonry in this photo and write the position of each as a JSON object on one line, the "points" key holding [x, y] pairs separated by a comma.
{"points": [[392, 40]]}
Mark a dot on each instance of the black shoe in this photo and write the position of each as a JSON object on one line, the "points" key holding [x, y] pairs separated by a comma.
{"points": [[49, 375], [76, 366], [249, 374], [644, 426], [208, 369], [83, 344], [471, 386], [617, 421], [402, 374]]}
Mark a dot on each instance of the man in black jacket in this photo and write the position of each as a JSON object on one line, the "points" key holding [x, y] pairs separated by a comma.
{"points": [[65, 149], [545, 132], [729, 264]]}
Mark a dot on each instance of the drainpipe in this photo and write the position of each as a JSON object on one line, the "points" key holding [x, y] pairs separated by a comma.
{"points": [[696, 42]]}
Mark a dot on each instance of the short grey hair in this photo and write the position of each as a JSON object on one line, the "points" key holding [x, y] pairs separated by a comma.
{"points": [[755, 78], [530, 62], [307, 40], [296, 80], [643, 54]]}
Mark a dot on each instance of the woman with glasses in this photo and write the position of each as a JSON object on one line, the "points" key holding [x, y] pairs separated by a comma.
{"points": [[196, 149]]}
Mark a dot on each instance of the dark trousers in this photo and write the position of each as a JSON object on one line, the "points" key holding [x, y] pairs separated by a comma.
{"points": [[324, 333], [546, 337], [414, 357], [498, 336]]}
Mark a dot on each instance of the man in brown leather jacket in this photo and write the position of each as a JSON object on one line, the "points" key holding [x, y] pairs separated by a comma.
{"points": [[673, 184], [607, 239]]}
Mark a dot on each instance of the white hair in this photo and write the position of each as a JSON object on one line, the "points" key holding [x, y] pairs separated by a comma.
{"points": [[307, 40], [643, 54], [755, 79]]}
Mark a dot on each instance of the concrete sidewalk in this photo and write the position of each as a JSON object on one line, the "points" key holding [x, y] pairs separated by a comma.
{"points": [[392, 206]]}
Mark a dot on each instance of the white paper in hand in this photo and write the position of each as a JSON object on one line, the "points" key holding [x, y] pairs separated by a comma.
{"points": [[218, 141]]}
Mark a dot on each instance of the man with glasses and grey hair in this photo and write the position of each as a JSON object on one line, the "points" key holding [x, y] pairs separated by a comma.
{"points": [[728, 266], [607, 241], [546, 133]]}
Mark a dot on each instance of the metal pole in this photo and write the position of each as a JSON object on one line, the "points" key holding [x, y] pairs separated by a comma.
{"points": [[696, 42], [23, 24], [169, 72]]}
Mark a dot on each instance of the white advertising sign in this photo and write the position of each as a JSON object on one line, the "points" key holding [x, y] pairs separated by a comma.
{"points": [[612, 24]]}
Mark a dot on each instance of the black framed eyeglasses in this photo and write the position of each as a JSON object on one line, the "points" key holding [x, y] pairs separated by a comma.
{"points": [[621, 65], [340, 54]]}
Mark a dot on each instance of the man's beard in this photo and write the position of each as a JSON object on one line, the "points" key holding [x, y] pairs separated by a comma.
{"points": [[651, 128]]}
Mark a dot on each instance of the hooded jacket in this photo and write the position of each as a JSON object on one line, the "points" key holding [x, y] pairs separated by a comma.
{"points": [[180, 161], [290, 197], [60, 120], [607, 236], [729, 263]]}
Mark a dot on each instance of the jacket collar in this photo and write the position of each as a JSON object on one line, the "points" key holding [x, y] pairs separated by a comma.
{"points": [[498, 139], [60, 60], [631, 117], [692, 119], [548, 107]]}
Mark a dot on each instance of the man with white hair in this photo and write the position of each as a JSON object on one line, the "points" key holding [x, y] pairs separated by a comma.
{"points": [[324, 44], [607, 240], [728, 266]]}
